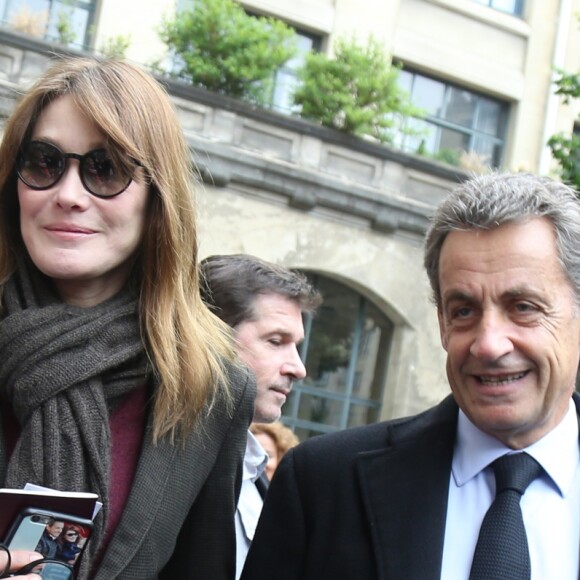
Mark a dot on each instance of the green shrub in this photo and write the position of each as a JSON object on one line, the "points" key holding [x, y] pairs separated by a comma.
{"points": [[64, 26], [115, 46], [221, 48], [566, 148], [355, 91]]}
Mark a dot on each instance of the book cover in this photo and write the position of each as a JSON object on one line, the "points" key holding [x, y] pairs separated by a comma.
{"points": [[14, 501]]}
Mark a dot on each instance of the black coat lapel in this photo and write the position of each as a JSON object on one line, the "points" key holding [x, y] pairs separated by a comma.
{"points": [[405, 489]]}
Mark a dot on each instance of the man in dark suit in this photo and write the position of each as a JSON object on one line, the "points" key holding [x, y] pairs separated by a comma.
{"points": [[48, 543], [405, 500], [264, 304]]}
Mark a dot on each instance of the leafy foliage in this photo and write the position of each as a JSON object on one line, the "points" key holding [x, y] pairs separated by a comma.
{"points": [[221, 48], [355, 91], [566, 148], [115, 46], [64, 26], [568, 85]]}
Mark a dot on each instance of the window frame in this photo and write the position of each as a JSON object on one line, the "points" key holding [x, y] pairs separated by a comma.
{"points": [[88, 6], [472, 132], [518, 9], [347, 396], [316, 46]]}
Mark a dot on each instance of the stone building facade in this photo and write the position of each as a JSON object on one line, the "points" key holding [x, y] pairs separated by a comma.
{"points": [[349, 212]]}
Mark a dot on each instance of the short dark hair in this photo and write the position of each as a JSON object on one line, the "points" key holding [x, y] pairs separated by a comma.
{"points": [[231, 283]]}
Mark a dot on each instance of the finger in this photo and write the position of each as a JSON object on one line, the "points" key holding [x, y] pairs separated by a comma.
{"points": [[21, 558]]}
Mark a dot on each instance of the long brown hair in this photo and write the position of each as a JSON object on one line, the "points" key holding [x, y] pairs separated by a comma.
{"points": [[185, 342]]}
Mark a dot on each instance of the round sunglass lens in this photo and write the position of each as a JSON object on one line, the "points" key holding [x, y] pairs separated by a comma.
{"points": [[103, 176], [41, 165]]}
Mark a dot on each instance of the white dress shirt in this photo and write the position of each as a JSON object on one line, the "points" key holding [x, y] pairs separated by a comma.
{"points": [[550, 505], [250, 502]]}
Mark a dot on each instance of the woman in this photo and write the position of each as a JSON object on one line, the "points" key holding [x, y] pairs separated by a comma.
{"points": [[114, 377], [68, 545], [276, 439]]}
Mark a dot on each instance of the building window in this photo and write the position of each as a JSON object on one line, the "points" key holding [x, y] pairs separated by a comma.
{"points": [[41, 18], [286, 79], [514, 7], [457, 120], [345, 352]]}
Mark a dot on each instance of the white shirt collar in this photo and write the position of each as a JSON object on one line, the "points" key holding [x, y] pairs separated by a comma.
{"points": [[255, 459], [558, 452]]}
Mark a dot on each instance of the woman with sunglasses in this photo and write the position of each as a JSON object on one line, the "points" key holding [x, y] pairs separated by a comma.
{"points": [[68, 545], [114, 377]]}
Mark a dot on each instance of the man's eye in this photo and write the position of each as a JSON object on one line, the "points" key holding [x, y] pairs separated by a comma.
{"points": [[462, 312]]}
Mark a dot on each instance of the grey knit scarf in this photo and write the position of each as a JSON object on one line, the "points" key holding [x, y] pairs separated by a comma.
{"points": [[64, 368]]}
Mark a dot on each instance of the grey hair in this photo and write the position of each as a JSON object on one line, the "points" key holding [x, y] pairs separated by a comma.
{"points": [[488, 201]]}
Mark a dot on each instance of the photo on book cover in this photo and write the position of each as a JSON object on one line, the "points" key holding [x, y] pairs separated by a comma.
{"points": [[56, 536]]}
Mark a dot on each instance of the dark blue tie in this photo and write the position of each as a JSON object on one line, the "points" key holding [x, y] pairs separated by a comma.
{"points": [[502, 551]]}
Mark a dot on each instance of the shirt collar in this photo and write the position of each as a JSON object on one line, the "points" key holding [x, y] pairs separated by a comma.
{"points": [[557, 452], [255, 458]]}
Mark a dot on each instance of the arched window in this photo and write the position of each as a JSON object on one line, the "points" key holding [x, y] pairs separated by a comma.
{"points": [[345, 351]]}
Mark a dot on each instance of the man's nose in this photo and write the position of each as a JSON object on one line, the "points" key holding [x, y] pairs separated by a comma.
{"points": [[294, 366], [492, 338]]}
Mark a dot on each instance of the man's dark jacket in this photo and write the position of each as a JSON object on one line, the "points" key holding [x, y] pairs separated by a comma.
{"points": [[368, 503]]}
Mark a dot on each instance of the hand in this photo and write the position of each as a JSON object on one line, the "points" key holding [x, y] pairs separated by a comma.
{"points": [[20, 558]]}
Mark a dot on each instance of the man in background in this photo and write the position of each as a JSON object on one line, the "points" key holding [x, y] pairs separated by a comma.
{"points": [[264, 304]]}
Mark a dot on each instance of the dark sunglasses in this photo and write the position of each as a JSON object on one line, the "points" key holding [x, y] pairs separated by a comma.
{"points": [[71, 534], [41, 165]]}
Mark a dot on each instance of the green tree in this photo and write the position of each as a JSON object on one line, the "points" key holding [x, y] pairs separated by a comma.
{"points": [[355, 91], [64, 25], [566, 148], [221, 48], [115, 46]]}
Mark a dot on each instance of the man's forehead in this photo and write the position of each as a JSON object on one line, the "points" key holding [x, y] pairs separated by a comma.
{"points": [[271, 303], [272, 310]]}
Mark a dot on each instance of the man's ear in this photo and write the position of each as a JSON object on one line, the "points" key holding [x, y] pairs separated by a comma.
{"points": [[442, 332]]}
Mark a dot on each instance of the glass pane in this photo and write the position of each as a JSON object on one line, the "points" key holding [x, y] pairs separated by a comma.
{"points": [[339, 376], [488, 151], [450, 139], [285, 79], [304, 45], [428, 95], [362, 415], [489, 117], [284, 86], [29, 17], [460, 107], [320, 410], [303, 433], [75, 18], [330, 344], [424, 139], [373, 349], [405, 80], [509, 6]]}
